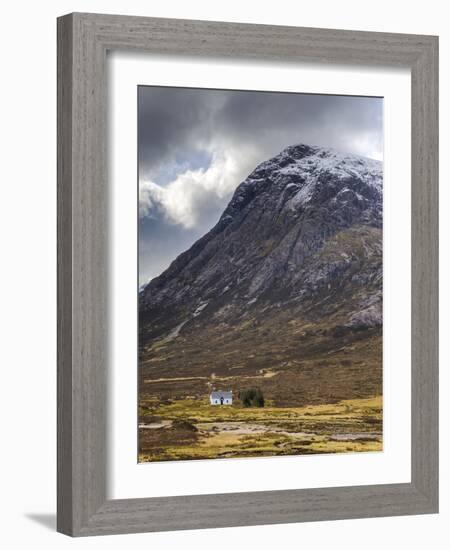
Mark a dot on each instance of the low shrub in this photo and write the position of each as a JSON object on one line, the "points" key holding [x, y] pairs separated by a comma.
{"points": [[252, 397]]}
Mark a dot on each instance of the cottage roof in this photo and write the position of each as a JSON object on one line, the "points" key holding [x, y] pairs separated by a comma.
{"points": [[219, 394]]}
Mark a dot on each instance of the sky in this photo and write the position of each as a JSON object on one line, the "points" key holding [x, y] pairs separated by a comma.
{"points": [[197, 145]]}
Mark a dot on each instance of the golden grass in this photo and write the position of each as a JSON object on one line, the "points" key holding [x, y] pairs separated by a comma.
{"points": [[202, 411], [244, 432]]}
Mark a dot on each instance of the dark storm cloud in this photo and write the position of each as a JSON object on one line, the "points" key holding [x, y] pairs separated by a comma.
{"points": [[333, 121], [174, 120]]}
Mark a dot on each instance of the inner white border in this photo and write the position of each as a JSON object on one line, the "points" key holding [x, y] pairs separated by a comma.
{"points": [[126, 478]]}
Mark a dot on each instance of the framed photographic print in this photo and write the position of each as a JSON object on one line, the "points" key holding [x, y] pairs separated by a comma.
{"points": [[247, 274], [260, 305]]}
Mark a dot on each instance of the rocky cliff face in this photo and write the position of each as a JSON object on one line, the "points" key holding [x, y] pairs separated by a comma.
{"points": [[302, 235]]}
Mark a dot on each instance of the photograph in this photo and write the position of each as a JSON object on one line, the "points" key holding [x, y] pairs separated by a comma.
{"points": [[260, 273]]}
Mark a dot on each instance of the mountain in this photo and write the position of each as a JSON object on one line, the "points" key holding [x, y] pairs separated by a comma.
{"points": [[289, 279]]}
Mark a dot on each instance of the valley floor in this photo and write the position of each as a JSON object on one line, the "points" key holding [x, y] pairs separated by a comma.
{"points": [[189, 429]]}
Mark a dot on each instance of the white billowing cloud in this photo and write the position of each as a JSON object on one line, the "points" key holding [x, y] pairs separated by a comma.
{"points": [[148, 198], [366, 144], [184, 200]]}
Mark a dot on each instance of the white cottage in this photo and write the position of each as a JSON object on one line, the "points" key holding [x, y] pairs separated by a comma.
{"points": [[221, 398]]}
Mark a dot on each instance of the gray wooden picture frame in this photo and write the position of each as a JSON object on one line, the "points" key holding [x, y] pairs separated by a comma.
{"points": [[83, 41]]}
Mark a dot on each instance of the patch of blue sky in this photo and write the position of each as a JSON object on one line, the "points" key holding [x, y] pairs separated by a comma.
{"points": [[182, 162]]}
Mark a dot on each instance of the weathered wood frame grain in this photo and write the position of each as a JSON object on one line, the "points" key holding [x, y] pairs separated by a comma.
{"points": [[83, 41]]}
